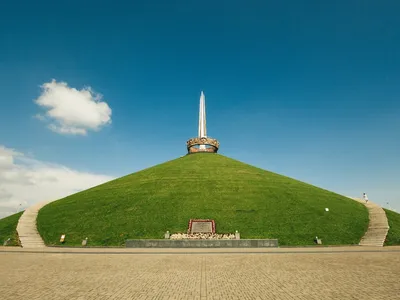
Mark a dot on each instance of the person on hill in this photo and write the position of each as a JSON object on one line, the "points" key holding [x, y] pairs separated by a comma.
{"points": [[365, 197]]}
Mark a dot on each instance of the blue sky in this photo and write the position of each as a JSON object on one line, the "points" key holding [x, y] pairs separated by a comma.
{"points": [[307, 89]]}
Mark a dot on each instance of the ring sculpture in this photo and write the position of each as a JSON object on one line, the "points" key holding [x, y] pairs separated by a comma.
{"points": [[211, 145]]}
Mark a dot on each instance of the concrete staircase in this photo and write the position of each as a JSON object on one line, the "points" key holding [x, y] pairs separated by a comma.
{"points": [[27, 230], [378, 225]]}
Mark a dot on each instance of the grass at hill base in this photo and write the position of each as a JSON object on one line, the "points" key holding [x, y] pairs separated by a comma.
{"points": [[8, 229], [257, 203], [393, 237]]}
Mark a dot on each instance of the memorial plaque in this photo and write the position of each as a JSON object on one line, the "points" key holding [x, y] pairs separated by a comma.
{"points": [[201, 226]]}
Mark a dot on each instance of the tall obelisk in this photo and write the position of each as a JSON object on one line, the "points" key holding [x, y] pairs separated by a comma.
{"points": [[202, 143], [202, 119]]}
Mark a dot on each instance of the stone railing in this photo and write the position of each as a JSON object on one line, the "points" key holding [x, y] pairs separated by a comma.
{"points": [[202, 243]]}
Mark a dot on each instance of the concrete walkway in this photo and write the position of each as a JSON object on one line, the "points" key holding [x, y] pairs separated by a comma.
{"points": [[41, 274], [203, 251], [378, 226], [26, 228]]}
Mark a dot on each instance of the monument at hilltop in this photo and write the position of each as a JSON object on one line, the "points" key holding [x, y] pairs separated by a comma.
{"points": [[202, 143]]}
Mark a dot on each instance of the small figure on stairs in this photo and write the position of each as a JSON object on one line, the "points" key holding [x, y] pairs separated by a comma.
{"points": [[365, 197]]}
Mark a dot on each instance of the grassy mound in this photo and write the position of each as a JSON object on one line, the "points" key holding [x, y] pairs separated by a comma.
{"points": [[8, 229], [393, 237], [257, 203]]}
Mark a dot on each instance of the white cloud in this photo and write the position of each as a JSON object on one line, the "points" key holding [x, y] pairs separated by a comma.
{"points": [[25, 181], [72, 111]]}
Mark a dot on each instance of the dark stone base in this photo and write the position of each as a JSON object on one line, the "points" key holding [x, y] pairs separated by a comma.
{"points": [[201, 243]]}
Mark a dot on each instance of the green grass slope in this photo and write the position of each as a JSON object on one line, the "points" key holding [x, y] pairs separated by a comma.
{"points": [[393, 237], [8, 229], [257, 203]]}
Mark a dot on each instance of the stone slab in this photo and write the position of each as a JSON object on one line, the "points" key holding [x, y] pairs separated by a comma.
{"points": [[201, 226], [145, 243]]}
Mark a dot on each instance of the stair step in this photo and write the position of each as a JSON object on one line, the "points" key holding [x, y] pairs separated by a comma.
{"points": [[27, 227], [378, 225]]}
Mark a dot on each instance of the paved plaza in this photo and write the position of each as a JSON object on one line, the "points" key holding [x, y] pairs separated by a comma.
{"points": [[306, 273]]}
